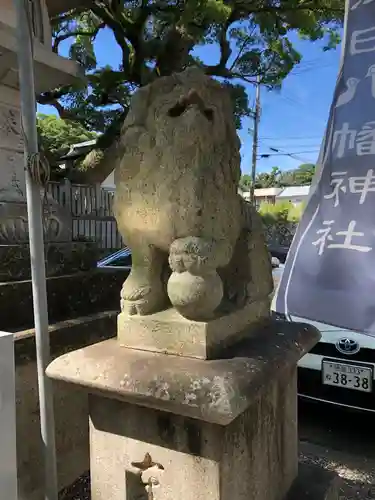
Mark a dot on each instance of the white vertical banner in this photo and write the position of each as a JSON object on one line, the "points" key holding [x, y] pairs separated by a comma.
{"points": [[330, 271], [8, 453]]}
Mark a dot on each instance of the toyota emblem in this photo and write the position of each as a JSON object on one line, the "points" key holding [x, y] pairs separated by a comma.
{"points": [[347, 346]]}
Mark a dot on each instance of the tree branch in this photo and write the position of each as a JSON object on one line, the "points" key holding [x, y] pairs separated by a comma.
{"points": [[63, 113], [243, 45], [225, 50], [67, 16], [120, 34], [247, 9], [60, 38], [48, 97]]}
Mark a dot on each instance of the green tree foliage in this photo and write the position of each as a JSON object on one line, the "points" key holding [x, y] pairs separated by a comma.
{"points": [[158, 37], [268, 179], [245, 182], [301, 176], [58, 135]]}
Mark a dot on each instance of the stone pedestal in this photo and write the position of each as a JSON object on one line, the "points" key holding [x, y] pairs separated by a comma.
{"points": [[168, 427], [170, 333]]}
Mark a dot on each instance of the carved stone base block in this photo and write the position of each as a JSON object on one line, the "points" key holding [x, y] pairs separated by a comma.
{"points": [[170, 333], [250, 458], [14, 227], [190, 428]]}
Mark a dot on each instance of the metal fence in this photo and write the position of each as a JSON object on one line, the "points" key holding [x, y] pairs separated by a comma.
{"points": [[91, 208]]}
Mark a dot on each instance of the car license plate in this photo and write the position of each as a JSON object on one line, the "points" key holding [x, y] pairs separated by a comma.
{"points": [[349, 376]]}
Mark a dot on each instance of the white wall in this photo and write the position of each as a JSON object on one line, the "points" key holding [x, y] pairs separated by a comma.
{"points": [[295, 200], [109, 182], [8, 458]]}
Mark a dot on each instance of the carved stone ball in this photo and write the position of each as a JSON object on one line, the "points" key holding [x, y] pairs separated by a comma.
{"points": [[195, 297]]}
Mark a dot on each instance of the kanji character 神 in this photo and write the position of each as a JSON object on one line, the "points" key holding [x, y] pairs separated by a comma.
{"points": [[362, 185], [337, 182]]}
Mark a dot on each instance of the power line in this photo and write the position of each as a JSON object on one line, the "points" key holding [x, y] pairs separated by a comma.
{"points": [[299, 71], [293, 101], [293, 155], [304, 137], [293, 147], [266, 155]]}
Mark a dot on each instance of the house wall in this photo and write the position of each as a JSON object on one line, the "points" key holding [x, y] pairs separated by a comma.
{"points": [[295, 200], [109, 182]]}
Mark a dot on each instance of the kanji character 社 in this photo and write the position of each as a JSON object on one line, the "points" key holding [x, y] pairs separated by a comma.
{"points": [[348, 244], [325, 236]]}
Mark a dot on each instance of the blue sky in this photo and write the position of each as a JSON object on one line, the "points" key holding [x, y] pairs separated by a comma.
{"points": [[293, 120]]}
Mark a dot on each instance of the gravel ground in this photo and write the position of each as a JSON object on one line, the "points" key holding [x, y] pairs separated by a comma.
{"points": [[358, 476], [357, 473], [80, 490]]}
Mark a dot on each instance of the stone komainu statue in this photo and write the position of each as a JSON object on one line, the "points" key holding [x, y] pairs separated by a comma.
{"points": [[195, 243]]}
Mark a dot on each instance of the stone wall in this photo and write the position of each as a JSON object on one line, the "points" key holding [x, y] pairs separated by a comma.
{"points": [[71, 406], [280, 233], [60, 259]]}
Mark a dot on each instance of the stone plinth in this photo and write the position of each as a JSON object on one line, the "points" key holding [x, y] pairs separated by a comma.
{"points": [[224, 429], [170, 333]]}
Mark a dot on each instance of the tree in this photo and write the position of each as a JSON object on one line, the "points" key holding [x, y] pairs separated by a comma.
{"points": [[57, 135], [301, 176], [268, 179], [245, 182], [157, 38]]}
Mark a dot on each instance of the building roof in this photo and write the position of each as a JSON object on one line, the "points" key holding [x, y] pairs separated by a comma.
{"points": [[294, 191], [78, 150], [263, 192]]}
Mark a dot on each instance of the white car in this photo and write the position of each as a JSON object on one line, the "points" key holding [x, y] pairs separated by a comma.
{"points": [[339, 369]]}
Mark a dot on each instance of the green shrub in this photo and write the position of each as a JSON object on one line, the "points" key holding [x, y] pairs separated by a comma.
{"points": [[295, 213], [280, 212], [280, 221]]}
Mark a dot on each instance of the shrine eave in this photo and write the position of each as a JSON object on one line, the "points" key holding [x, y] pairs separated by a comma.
{"points": [[50, 69]]}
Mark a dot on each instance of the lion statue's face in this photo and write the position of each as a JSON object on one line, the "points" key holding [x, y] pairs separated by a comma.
{"points": [[186, 119]]}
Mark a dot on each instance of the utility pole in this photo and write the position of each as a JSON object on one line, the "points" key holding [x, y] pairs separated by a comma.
{"points": [[255, 139], [35, 222]]}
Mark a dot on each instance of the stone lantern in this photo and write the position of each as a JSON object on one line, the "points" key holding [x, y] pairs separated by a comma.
{"points": [[51, 71]]}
